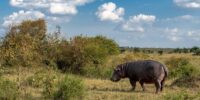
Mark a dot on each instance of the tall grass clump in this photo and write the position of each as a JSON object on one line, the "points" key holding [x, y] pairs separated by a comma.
{"points": [[39, 79], [70, 88], [181, 67], [184, 73], [8, 90]]}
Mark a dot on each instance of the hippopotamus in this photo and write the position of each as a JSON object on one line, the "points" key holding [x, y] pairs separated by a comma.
{"points": [[142, 71]]}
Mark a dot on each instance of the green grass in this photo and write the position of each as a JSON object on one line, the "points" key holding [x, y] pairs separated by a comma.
{"points": [[100, 88]]}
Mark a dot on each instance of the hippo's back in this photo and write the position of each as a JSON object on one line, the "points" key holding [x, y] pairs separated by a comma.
{"points": [[146, 70]]}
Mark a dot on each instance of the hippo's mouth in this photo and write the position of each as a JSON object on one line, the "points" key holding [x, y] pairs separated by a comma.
{"points": [[115, 80]]}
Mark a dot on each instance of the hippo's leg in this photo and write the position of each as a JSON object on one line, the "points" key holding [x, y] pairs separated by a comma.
{"points": [[133, 84], [162, 84], [158, 85], [142, 85]]}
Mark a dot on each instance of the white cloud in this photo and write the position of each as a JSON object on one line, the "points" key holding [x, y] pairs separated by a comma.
{"points": [[110, 12], [59, 8], [18, 17], [143, 18], [188, 3], [138, 23], [195, 35], [68, 7], [173, 34]]}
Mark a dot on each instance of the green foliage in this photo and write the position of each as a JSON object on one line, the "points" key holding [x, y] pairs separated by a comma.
{"points": [[193, 49], [174, 62], [160, 52], [181, 67], [81, 51], [41, 79], [197, 52], [22, 43], [187, 81], [70, 88], [180, 96], [181, 50], [8, 90], [98, 71], [49, 87]]}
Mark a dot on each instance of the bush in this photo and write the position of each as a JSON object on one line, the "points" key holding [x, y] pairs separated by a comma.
{"points": [[70, 88], [81, 51], [49, 87], [22, 43], [97, 72], [197, 52], [181, 67], [188, 82], [184, 71], [40, 78], [8, 90], [186, 74]]}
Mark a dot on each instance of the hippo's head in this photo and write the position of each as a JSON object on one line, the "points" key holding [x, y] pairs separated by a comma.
{"points": [[118, 73]]}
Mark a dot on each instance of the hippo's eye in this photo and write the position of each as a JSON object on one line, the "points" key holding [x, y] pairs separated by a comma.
{"points": [[117, 70]]}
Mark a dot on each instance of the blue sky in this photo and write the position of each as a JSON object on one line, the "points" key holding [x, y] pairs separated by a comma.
{"points": [[135, 23]]}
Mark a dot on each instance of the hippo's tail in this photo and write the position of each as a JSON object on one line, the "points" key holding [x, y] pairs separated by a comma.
{"points": [[166, 71]]}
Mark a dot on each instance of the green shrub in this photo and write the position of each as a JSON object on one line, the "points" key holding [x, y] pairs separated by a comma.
{"points": [[187, 81], [70, 88], [8, 90], [184, 71], [97, 72], [187, 75], [81, 51], [39, 78], [49, 87], [181, 67], [197, 52], [174, 62]]}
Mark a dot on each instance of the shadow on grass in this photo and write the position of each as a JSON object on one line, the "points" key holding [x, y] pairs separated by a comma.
{"points": [[121, 90]]}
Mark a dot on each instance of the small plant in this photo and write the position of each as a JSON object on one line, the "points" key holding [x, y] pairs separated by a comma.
{"points": [[177, 96], [70, 88], [39, 79], [49, 87], [8, 90]]}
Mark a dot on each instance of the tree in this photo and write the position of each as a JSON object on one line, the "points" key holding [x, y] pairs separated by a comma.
{"points": [[194, 49], [22, 43], [160, 52]]}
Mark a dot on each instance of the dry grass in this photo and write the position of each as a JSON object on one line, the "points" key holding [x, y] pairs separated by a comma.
{"points": [[107, 90], [98, 89]]}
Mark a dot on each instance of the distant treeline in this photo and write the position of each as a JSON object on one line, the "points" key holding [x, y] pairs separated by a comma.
{"points": [[195, 50]]}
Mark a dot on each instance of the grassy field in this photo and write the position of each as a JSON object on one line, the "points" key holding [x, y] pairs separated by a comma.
{"points": [[104, 89]]}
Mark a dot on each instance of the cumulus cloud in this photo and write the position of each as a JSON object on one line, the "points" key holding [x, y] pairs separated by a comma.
{"points": [[138, 23], [53, 6], [195, 35], [18, 17], [188, 3], [110, 12], [173, 34]]}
